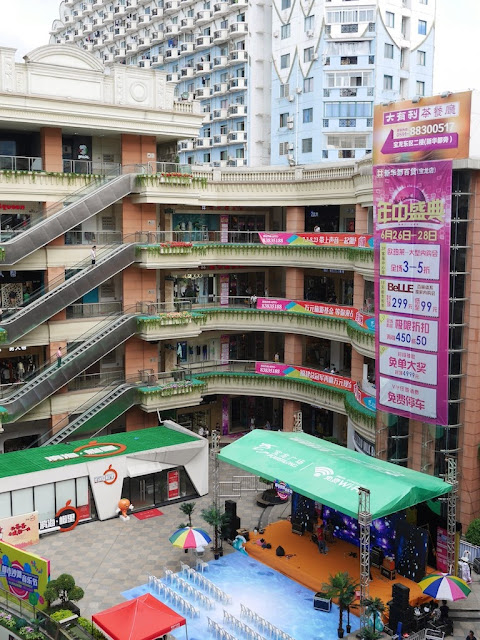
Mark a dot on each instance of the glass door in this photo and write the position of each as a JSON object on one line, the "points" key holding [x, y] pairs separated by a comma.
{"points": [[142, 492]]}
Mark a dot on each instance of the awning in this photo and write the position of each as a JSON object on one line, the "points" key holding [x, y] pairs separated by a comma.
{"points": [[331, 474], [143, 618]]}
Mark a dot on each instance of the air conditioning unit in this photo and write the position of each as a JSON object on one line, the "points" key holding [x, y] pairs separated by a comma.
{"points": [[310, 33], [290, 98], [276, 34], [290, 146], [290, 157], [298, 90], [315, 56], [289, 125]]}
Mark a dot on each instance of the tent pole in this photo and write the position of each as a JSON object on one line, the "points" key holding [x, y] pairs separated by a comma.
{"points": [[364, 521], [451, 478], [214, 449]]}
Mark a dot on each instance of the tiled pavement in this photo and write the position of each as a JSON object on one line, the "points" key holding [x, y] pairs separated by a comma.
{"points": [[107, 558]]}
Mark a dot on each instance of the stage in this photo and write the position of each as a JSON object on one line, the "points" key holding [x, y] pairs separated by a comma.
{"points": [[310, 568]]}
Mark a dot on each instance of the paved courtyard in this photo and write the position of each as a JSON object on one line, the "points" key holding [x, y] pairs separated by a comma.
{"points": [[107, 558]]}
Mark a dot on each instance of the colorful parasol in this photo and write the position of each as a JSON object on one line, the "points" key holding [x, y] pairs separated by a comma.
{"points": [[190, 538], [444, 586]]}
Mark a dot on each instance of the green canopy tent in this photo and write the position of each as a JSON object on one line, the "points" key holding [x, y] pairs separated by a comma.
{"points": [[331, 474]]}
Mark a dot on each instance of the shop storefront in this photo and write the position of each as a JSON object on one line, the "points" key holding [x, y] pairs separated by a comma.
{"points": [[84, 480]]}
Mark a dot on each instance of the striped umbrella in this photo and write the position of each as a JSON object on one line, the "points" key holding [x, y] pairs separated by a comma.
{"points": [[190, 538], [444, 586]]}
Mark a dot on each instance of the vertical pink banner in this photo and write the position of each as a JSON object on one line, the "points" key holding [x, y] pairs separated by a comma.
{"points": [[412, 217], [224, 229], [224, 289], [225, 415]]}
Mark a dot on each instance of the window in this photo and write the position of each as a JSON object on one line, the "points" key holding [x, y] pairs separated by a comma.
{"points": [[206, 157], [422, 27], [284, 90], [309, 23], [307, 145], [421, 58], [347, 141], [349, 79], [388, 82], [420, 88], [348, 109], [286, 4], [285, 61], [308, 54], [390, 19], [285, 31], [283, 119], [388, 53], [283, 148], [308, 85], [423, 1], [308, 115]]}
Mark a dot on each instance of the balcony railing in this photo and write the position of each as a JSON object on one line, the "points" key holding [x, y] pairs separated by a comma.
{"points": [[20, 163], [90, 167]]}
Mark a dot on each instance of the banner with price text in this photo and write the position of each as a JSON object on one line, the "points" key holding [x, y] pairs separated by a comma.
{"points": [[412, 214]]}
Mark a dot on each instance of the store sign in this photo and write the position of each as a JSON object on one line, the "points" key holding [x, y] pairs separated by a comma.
{"points": [[412, 211], [21, 530], [435, 128], [91, 450], [65, 519], [319, 239], [11, 207], [362, 445], [290, 371], [282, 489], [24, 574], [173, 485], [441, 555], [109, 476]]}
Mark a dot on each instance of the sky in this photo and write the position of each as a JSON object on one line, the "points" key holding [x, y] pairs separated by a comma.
{"points": [[25, 25]]}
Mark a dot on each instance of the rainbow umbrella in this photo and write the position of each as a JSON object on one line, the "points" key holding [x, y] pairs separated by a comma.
{"points": [[444, 586], [190, 538]]}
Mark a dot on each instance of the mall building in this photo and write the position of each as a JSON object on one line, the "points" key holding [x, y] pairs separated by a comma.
{"points": [[135, 291]]}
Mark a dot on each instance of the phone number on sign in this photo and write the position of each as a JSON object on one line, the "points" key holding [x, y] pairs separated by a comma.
{"points": [[438, 127]]}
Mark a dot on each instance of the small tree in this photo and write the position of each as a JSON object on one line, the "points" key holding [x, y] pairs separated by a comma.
{"points": [[63, 589], [340, 587], [216, 519], [473, 532], [187, 508], [374, 607]]}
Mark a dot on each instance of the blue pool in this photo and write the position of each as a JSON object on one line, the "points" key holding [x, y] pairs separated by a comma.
{"points": [[282, 602]]}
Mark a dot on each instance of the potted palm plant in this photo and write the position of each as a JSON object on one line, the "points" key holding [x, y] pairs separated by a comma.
{"points": [[187, 508], [217, 519], [374, 607], [340, 587]]}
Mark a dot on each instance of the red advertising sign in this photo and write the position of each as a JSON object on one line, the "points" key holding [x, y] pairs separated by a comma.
{"points": [[173, 485]]}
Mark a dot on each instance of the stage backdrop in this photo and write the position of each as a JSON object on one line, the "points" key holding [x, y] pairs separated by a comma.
{"points": [[411, 551]]}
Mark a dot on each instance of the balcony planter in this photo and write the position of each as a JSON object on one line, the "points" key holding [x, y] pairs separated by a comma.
{"points": [[166, 319], [176, 179], [165, 248]]}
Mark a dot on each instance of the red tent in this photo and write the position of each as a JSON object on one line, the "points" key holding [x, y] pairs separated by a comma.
{"points": [[143, 618]]}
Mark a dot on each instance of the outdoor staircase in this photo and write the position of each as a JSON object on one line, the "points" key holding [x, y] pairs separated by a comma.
{"points": [[112, 404], [41, 308], [52, 378], [77, 208]]}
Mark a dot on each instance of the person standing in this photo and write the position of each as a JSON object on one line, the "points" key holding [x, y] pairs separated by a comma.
{"points": [[471, 636], [59, 357], [321, 539], [93, 253]]}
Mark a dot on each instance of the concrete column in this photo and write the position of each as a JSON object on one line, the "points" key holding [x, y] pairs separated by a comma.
{"points": [[358, 290], [361, 219], [381, 437], [53, 277], [57, 422], [295, 219], [290, 407], [136, 419], [51, 149], [293, 349], [137, 217], [138, 149], [169, 359], [356, 371], [294, 283], [140, 355], [168, 295]]}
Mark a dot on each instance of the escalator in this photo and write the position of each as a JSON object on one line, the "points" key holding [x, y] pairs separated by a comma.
{"points": [[43, 306], [77, 208], [52, 378], [113, 402]]}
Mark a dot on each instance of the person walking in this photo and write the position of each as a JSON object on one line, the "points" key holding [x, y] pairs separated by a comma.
{"points": [[93, 253], [59, 357]]}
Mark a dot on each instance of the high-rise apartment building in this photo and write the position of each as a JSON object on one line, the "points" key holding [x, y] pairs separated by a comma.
{"points": [[279, 82]]}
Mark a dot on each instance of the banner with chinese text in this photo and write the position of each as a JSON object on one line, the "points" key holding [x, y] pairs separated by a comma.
{"points": [[412, 212], [283, 238]]}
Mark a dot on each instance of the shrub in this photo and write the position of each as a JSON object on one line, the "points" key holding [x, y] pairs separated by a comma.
{"points": [[473, 532], [89, 626]]}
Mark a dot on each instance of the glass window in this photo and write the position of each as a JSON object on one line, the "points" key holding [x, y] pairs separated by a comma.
{"points": [[286, 4], [283, 119], [307, 145], [390, 19], [420, 88], [308, 115], [308, 54], [284, 90], [422, 27], [5, 508], [83, 498], [285, 31], [45, 501], [421, 58], [388, 53], [308, 85], [388, 82], [206, 157], [285, 61], [22, 501], [423, 1], [309, 23], [65, 491]]}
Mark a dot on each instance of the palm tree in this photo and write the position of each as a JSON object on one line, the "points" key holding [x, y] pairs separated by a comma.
{"points": [[216, 519], [187, 508], [373, 608], [340, 587]]}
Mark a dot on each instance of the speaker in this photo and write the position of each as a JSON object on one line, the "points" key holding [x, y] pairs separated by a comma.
{"points": [[231, 528], [400, 594], [476, 565], [321, 602], [231, 508]]}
